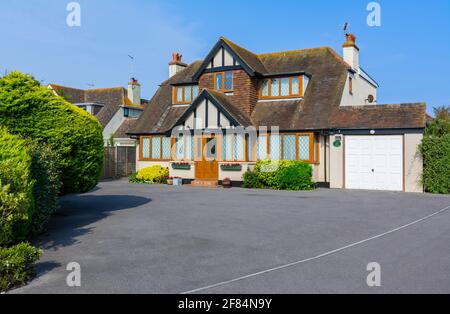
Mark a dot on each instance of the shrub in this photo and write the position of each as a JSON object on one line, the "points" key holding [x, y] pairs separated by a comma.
{"points": [[132, 178], [16, 265], [16, 189], [251, 181], [154, 174], [435, 149], [294, 176], [33, 111], [45, 171], [436, 156], [283, 175]]}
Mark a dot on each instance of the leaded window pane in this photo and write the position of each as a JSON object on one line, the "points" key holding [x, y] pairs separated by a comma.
{"points": [[262, 147], [219, 78], [284, 89], [146, 148], [275, 87], [180, 94], [228, 80], [227, 147], [275, 147], [295, 86], [250, 146], [304, 147], [239, 148], [187, 94], [265, 88], [289, 147], [180, 148], [190, 147], [166, 148], [194, 92], [156, 148]]}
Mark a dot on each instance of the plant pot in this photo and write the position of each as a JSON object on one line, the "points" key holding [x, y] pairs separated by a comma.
{"points": [[227, 184], [181, 167], [169, 182], [177, 182], [231, 168]]}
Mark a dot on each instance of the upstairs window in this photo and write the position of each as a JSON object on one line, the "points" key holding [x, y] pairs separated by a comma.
{"points": [[282, 87], [223, 81], [184, 95]]}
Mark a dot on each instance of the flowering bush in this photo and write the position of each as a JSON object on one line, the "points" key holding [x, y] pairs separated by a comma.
{"points": [[154, 175]]}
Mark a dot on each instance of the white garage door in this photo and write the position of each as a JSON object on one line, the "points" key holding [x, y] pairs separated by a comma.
{"points": [[374, 162]]}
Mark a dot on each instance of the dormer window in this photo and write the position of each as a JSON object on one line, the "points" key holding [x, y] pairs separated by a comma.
{"points": [[223, 81], [282, 87], [184, 95]]}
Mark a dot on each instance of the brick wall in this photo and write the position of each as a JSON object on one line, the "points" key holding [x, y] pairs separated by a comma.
{"points": [[245, 94]]}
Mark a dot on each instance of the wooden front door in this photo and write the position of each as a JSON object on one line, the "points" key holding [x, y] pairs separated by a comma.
{"points": [[207, 167]]}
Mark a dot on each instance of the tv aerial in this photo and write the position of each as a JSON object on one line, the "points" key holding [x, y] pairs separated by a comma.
{"points": [[346, 27]]}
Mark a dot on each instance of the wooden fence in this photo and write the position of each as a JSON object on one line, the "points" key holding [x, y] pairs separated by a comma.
{"points": [[119, 162]]}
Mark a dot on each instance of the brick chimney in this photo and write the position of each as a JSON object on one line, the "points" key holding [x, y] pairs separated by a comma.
{"points": [[351, 51], [134, 91], [176, 65]]}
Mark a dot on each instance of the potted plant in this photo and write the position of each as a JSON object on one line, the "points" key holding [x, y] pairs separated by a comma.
{"points": [[231, 167], [169, 180], [226, 183]]}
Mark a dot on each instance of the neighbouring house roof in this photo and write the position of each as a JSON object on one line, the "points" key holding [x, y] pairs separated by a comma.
{"points": [[318, 109], [126, 127], [111, 99]]}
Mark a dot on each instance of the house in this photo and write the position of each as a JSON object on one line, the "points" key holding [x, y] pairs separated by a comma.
{"points": [[116, 108], [237, 107]]}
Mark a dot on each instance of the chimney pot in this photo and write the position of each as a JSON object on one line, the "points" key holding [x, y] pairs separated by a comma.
{"points": [[176, 65]]}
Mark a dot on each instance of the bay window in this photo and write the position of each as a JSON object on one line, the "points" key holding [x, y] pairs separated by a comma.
{"points": [[233, 147], [184, 148], [282, 87], [288, 146]]}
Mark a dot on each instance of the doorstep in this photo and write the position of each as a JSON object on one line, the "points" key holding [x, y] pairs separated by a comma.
{"points": [[205, 183]]}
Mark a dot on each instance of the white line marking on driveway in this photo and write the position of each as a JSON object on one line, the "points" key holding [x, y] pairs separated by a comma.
{"points": [[318, 256]]}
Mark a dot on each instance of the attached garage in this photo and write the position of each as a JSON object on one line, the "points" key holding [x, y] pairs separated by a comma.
{"points": [[374, 162]]}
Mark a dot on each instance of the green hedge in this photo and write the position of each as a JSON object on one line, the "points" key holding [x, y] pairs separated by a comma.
{"points": [[435, 150], [33, 111], [16, 189], [47, 175], [436, 156], [16, 265], [280, 175]]}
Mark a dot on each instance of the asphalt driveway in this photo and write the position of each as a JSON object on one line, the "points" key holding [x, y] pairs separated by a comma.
{"points": [[159, 239]]}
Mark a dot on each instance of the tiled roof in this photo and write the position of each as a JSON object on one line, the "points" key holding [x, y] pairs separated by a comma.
{"points": [[320, 108], [111, 99], [126, 127]]}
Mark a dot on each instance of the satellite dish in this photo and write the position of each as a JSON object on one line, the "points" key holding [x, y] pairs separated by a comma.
{"points": [[370, 99]]}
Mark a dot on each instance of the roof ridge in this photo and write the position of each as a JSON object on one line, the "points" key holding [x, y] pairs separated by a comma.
{"points": [[291, 51], [104, 88], [232, 42]]}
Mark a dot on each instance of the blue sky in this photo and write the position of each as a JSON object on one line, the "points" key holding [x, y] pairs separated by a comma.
{"points": [[408, 55]]}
